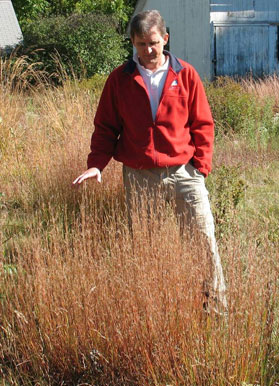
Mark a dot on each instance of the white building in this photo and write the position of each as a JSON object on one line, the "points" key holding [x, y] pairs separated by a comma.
{"points": [[10, 32], [245, 37]]}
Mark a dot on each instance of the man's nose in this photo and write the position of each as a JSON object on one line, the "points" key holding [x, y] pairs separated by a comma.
{"points": [[149, 50]]}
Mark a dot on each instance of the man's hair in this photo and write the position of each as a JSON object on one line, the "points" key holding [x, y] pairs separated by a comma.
{"points": [[142, 23]]}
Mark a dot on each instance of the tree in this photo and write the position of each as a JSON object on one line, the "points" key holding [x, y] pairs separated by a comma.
{"points": [[30, 10], [87, 44]]}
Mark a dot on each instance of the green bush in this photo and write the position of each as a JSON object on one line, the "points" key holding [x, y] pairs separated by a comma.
{"points": [[30, 10], [226, 188], [235, 110], [95, 84], [85, 44]]}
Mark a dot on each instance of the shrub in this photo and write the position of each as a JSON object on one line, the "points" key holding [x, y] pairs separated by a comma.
{"points": [[86, 44], [95, 84], [235, 110]]}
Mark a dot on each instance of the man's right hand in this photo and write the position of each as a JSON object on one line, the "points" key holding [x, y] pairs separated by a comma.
{"points": [[90, 173]]}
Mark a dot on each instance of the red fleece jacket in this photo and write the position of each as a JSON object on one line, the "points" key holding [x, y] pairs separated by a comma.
{"points": [[183, 129]]}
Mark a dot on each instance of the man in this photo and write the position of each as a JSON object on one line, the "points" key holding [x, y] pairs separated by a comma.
{"points": [[153, 116]]}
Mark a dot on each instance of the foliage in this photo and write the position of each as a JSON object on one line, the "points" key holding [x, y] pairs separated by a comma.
{"points": [[235, 110], [86, 44], [226, 187], [262, 184], [95, 84], [30, 10], [122, 9]]}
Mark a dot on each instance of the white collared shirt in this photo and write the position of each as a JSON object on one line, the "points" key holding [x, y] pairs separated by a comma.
{"points": [[154, 82]]}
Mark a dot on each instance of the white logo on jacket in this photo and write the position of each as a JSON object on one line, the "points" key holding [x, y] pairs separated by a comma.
{"points": [[174, 83]]}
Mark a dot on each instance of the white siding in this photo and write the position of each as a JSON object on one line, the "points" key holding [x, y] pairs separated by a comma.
{"points": [[239, 10], [238, 52], [245, 36], [10, 32]]}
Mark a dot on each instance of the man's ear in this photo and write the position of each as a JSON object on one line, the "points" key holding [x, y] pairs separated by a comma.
{"points": [[166, 38]]}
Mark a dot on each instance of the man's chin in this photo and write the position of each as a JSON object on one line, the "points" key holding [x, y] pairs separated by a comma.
{"points": [[151, 61], [150, 58]]}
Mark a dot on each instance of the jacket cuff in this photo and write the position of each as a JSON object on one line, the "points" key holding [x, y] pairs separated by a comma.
{"points": [[204, 171]]}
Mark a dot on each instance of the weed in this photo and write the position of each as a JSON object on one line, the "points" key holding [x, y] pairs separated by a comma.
{"points": [[227, 188], [237, 110]]}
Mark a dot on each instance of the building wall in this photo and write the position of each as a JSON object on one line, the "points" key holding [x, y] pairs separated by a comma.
{"points": [[241, 10], [245, 37], [10, 32], [189, 28]]}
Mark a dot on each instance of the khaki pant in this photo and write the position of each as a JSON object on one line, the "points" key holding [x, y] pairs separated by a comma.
{"points": [[185, 184]]}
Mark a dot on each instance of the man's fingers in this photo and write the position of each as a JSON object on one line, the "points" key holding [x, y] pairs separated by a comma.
{"points": [[80, 179], [76, 180], [95, 173], [99, 177]]}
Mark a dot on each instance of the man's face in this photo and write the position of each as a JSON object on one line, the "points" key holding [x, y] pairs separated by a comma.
{"points": [[150, 48]]}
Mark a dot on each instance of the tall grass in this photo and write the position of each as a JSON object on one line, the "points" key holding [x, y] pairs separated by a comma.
{"points": [[91, 305], [264, 88], [242, 108], [84, 301]]}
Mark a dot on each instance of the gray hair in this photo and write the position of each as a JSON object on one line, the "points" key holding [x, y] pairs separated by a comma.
{"points": [[142, 23]]}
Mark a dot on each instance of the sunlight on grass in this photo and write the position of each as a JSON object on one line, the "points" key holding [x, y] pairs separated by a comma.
{"points": [[84, 301]]}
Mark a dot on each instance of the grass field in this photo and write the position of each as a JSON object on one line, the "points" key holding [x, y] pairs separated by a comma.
{"points": [[82, 303]]}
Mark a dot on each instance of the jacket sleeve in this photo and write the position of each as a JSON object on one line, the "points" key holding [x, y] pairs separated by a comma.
{"points": [[201, 125], [107, 127]]}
